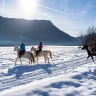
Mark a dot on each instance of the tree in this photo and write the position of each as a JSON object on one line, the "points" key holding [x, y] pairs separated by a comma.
{"points": [[90, 37]]}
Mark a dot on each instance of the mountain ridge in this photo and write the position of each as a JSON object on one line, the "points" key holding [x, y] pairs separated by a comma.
{"points": [[14, 31]]}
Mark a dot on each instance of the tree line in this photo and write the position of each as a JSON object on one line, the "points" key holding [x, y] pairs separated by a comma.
{"points": [[89, 38]]}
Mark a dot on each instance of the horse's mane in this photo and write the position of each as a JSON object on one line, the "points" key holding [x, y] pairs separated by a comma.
{"points": [[16, 46], [33, 46]]}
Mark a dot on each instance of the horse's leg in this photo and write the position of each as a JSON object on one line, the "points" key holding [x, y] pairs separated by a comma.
{"points": [[37, 59], [87, 58], [45, 59], [92, 58], [20, 60], [48, 59], [16, 61], [29, 62]]}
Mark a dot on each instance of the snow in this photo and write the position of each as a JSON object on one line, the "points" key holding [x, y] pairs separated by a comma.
{"points": [[68, 74]]}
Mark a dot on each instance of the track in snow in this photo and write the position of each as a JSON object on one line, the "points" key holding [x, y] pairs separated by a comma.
{"points": [[20, 75]]}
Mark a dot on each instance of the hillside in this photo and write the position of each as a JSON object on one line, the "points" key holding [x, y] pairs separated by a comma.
{"points": [[14, 31]]}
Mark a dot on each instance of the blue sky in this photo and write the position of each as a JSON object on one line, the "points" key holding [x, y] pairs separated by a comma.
{"points": [[71, 16]]}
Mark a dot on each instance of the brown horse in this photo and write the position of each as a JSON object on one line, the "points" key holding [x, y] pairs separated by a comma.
{"points": [[29, 55], [44, 53]]}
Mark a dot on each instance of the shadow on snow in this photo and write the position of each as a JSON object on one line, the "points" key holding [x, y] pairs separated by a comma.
{"points": [[19, 70]]}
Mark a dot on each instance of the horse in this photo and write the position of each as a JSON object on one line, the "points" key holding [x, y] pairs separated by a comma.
{"points": [[44, 53], [88, 52], [29, 55]]}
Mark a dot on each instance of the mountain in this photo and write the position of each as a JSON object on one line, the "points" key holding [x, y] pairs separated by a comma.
{"points": [[14, 31]]}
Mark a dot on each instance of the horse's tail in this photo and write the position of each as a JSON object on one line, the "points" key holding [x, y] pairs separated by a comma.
{"points": [[33, 57], [50, 54]]}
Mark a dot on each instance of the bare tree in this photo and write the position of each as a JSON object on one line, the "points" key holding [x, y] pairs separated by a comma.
{"points": [[90, 37]]}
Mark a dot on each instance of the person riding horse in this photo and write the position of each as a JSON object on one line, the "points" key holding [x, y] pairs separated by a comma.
{"points": [[22, 49], [40, 48]]}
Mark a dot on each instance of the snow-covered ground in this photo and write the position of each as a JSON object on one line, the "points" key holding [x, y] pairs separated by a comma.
{"points": [[68, 74]]}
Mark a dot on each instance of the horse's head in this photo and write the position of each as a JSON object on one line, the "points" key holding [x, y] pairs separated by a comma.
{"points": [[85, 47], [16, 48], [33, 49]]}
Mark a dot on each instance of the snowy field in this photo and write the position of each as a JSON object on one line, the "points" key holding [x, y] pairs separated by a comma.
{"points": [[68, 74]]}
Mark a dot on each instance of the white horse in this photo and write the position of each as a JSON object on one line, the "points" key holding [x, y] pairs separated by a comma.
{"points": [[44, 53], [29, 55]]}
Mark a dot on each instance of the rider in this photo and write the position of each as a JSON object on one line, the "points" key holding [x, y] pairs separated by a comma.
{"points": [[22, 49], [40, 48]]}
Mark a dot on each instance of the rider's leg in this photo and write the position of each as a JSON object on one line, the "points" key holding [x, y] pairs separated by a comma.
{"points": [[37, 52], [21, 52]]}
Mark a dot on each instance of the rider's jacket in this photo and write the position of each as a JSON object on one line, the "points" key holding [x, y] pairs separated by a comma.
{"points": [[40, 46], [22, 46]]}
